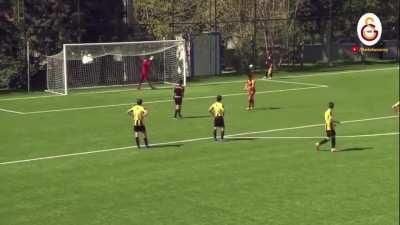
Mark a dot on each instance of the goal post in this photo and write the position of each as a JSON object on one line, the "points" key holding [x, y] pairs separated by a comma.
{"points": [[92, 65]]}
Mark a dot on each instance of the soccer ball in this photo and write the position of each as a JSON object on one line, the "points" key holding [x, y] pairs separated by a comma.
{"points": [[86, 59], [251, 66]]}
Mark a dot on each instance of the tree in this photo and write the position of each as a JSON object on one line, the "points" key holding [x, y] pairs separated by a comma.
{"points": [[11, 56]]}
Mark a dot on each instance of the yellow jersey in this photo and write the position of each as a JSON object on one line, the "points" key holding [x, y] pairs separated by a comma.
{"points": [[329, 119], [217, 109], [138, 113]]}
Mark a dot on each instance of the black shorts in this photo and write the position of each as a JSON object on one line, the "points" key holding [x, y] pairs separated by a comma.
{"points": [[140, 128], [330, 133], [178, 101], [219, 121]]}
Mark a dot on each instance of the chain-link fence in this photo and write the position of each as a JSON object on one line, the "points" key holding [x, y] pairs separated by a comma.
{"points": [[290, 41]]}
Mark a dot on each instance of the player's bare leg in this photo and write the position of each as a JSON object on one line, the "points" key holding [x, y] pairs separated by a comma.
{"points": [[249, 105], [176, 111], [150, 84], [179, 111], [145, 139], [137, 139], [140, 84], [323, 141], [270, 73], [215, 133], [252, 102]]}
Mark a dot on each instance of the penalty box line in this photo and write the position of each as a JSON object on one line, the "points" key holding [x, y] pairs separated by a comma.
{"points": [[223, 82], [184, 141], [164, 101], [316, 137], [11, 111]]}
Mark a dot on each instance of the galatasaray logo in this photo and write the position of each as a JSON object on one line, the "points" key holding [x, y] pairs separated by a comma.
{"points": [[369, 29]]}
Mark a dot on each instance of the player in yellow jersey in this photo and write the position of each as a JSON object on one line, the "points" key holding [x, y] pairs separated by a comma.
{"points": [[217, 111], [250, 87], [329, 128], [138, 112]]}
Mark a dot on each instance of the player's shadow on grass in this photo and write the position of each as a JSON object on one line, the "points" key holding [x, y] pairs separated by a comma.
{"points": [[355, 149], [267, 108], [165, 146], [229, 139], [350, 149], [196, 117]]}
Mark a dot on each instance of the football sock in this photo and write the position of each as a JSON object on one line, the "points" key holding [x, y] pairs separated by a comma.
{"points": [[137, 142], [145, 142], [323, 141], [215, 134], [176, 112], [333, 142], [222, 134]]}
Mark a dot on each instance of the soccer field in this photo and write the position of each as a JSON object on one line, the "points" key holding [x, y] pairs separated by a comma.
{"points": [[72, 159]]}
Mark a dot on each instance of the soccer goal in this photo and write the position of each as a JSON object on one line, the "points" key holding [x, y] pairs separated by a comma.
{"points": [[93, 65]]}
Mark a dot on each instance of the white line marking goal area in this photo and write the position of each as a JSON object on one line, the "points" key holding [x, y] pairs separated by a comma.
{"points": [[162, 101], [11, 111], [205, 84], [232, 136]]}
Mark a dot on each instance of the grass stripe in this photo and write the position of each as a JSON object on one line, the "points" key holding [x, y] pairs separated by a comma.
{"points": [[182, 141]]}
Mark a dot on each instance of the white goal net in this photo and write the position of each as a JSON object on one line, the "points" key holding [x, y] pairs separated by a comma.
{"points": [[115, 64]]}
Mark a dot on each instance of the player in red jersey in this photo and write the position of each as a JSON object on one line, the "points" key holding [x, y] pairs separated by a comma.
{"points": [[179, 91], [251, 90], [144, 72]]}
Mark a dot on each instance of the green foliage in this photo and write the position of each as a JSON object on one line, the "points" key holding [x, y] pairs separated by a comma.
{"points": [[11, 48]]}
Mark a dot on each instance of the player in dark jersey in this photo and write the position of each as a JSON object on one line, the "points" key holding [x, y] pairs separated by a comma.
{"points": [[144, 72], [179, 92], [268, 66]]}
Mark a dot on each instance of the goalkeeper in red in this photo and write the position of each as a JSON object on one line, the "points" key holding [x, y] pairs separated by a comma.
{"points": [[138, 112], [144, 72], [179, 91]]}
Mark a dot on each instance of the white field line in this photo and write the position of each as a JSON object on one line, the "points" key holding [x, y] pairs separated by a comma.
{"points": [[299, 83], [79, 93], [308, 126], [11, 111], [163, 101], [315, 137], [223, 82], [338, 73], [147, 88], [180, 141]]}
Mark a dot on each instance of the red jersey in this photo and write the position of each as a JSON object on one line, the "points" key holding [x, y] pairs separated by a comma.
{"points": [[145, 67], [179, 91], [251, 86]]}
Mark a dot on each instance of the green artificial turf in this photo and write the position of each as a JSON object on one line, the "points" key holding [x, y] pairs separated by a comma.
{"points": [[249, 179]]}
